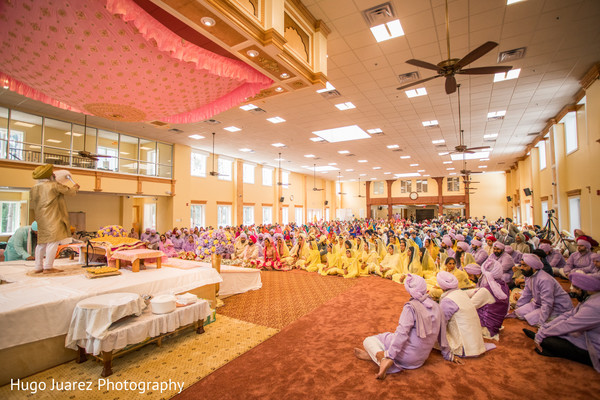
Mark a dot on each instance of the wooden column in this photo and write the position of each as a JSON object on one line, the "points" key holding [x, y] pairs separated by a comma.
{"points": [[368, 201], [389, 182], [440, 181]]}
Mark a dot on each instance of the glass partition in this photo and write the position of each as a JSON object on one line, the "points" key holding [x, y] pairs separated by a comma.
{"points": [[3, 132], [57, 133], [108, 146]]}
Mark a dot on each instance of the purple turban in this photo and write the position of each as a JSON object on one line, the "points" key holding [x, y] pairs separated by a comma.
{"points": [[499, 245], [546, 248], [476, 242], [243, 236], [509, 249], [416, 287], [447, 241], [473, 269], [460, 238], [584, 243], [452, 235], [595, 257], [464, 246], [480, 235], [491, 271], [585, 281], [533, 261], [153, 231], [446, 280]]}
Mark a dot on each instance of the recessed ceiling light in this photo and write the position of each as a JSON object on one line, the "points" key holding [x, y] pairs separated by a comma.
{"points": [[279, 89], [393, 146], [404, 157], [452, 173], [421, 170], [309, 156], [252, 53], [376, 167], [207, 21], [345, 133], [276, 120], [447, 162], [363, 161], [444, 153], [350, 170], [450, 169], [245, 150], [278, 145], [323, 168], [25, 124], [416, 92], [387, 173], [496, 114], [328, 88], [490, 136], [285, 75], [196, 137], [439, 141], [433, 122], [414, 165], [317, 139], [407, 175], [345, 106], [484, 159], [53, 141], [343, 152], [470, 156], [374, 130], [306, 166], [482, 166], [279, 159], [248, 107], [373, 179], [427, 175], [506, 76], [332, 163], [509, 2], [362, 175], [232, 129], [389, 30]]}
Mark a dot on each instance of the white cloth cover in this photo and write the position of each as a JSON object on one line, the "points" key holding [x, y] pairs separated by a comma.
{"points": [[94, 315], [238, 280], [464, 328], [134, 330]]}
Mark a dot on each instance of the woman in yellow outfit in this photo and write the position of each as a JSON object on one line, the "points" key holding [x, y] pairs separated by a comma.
{"points": [[431, 248], [331, 266], [450, 266], [372, 258], [391, 262], [314, 257], [380, 248], [412, 265], [429, 268], [349, 264]]}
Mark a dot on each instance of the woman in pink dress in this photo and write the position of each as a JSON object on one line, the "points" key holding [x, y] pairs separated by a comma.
{"points": [[166, 246], [271, 260]]}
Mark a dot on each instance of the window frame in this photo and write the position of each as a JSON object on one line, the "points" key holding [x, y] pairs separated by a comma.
{"points": [[221, 162], [244, 221], [202, 217], [270, 175], [221, 207], [248, 177], [198, 170], [17, 214]]}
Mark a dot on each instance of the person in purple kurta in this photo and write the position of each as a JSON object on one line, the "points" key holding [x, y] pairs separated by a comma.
{"points": [[190, 244], [515, 254], [575, 334], [580, 261], [421, 326], [553, 256], [543, 298], [478, 252], [447, 246], [504, 259], [177, 241], [492, 313], [144, 237]]}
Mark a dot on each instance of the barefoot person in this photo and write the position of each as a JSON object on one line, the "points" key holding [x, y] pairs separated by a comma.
{"points": [[421, 326], [50, 209]]}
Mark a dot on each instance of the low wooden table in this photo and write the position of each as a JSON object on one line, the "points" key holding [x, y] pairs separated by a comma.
{"points": [[134, 256]]}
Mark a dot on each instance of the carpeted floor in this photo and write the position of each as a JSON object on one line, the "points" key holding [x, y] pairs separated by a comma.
{"points": [[186, 358], [312, 358]]}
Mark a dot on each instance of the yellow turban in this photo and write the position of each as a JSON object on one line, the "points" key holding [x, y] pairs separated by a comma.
{"points": [[43, 172]]}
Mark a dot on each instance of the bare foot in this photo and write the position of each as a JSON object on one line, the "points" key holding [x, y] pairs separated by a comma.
{"points": [[51, 271], [385, 364], [361, 354], [38, 272]]}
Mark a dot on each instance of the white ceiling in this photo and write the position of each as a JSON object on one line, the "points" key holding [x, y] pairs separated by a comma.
{"points": [[562, 38]]}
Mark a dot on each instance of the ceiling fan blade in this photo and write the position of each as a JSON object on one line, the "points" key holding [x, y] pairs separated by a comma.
{"points": [[100, 155], [477, 148], [475, 54], [484, 70], [417, 82], [423, 64], [450, 84]]}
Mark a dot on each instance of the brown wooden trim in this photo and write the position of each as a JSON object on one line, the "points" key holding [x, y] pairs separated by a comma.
{"points": [[544, 198], [298, 206], [267, 204], [590, 76], [97, 184], [249, 204], [139, 187], [197, 201], [421, 200], [574, 192], [564, 111], [579, 95], [224, 203]]}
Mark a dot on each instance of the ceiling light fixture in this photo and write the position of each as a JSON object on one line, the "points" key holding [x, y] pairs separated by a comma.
{"points": [[490, 136], [317, 139], [252, 53], [416, 92], [285, 75], [433, 122], [502, 76], [414, 165], [328, 88], [345, 106], [387, 31], [279, 89], [350, 170], [482, 166], [374, 130], [232, 129], [404, 157], [276, 120], [450, 169], [246, 150], [248, 107], [53, 141], [376, 167], [345, 133], [496, 114], [332, 163], [484, 159], [407, 175], [447, 162], [452, 173], [278, 145], [309, 156], [421, 170], [393, 146], [470, 156], [444, 153], [24, 124], [343, 152], [387, 173], [363, 161], [196, 137], [207, 21], [440, 141]]}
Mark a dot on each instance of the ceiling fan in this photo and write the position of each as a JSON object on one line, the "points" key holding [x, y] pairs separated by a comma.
{"points": [[281, 183], [85, 153], [462, 148], [359, 195], [315, 188], [452, 66], [340, 183], [213, 172]]}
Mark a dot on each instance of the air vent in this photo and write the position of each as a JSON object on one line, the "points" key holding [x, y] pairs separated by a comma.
{"points": [[496, 118], [379, 14], [511, 55], [500, 163], [159, 124], [331, 94], [257, 110], [350, 155], [397, 150], [533, 133], [377, 133], [212, 122], [409, 77], [175, 130]]}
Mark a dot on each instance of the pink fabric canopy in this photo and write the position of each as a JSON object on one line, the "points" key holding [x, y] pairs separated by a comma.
{"points": [[112, 59]]}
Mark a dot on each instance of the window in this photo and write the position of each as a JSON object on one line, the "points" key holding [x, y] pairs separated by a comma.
{"points": [[378, 187], [10, 217], [544, 212], [528, 219], [453, 184], [285, 215], [224, 215], [267, 176], [150, 215], [197, 216], [314, 215], [570, 132], [327, 214], [405, 186], [338, 188], [298, 217], [224, 167], [267, 217], [542, 152], [108, 145], [198, 167], [248, 215], [421, 185], [148, 154], [574, 213], [248, 173], [285, 179]]}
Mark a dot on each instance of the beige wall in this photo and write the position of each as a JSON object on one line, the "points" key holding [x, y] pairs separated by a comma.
{"points": [[489, 198]]}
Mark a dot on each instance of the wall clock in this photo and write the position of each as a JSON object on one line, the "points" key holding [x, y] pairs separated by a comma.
{"points": [[413, 195]]}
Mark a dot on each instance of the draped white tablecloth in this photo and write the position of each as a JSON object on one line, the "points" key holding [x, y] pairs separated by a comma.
{"points": [[36, 308], [134, 330]]}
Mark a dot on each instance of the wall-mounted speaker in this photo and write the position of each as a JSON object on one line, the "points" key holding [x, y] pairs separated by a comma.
{"points": [[281, 199], [508, 198], [326, 202], [527, 191]]}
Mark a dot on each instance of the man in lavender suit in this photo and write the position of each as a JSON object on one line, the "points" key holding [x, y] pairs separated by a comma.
{"points": [[421, 326], [554, 258], [580, 261], [575, 334], [543, 297], [504, 259]]}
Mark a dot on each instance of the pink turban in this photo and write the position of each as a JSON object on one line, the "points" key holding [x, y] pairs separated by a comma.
{"points": [[473, 269], [446, 280], [476, 242], [595, 257], [491, 271], [480, 235], [509, 249], [460, 237], [533, 261], [585, 281], [584, 243], [447, 241], [464, 246], [416, 287], [452, 235], [546, 247], [499, 245]]}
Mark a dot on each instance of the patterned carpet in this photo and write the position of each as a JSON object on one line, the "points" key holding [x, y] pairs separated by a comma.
{"points": [[185, 358], [284, 297]]}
